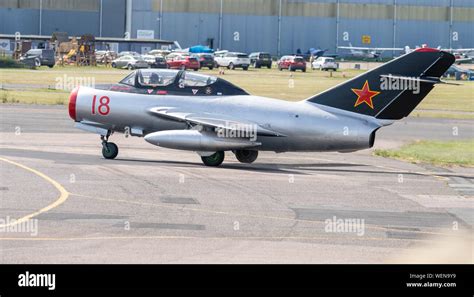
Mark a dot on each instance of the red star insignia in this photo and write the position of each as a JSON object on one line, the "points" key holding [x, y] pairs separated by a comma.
{"points": [[365, 95]]}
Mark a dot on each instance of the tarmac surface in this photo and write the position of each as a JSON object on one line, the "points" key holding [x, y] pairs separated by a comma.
{"points": [[154, 205]]}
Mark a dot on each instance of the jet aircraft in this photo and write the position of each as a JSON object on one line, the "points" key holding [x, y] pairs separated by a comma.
{"points": [[182, 110]]}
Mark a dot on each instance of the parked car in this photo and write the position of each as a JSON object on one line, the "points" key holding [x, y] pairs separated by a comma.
{"points": [[206, 60], [260, 59], [182, 61], [105, 56], [160, 62], [233, 60], [159, 52], [292, 63], [459, 73], [39, 57], [149, 58], [130, 62], [324, 63], [128, 53]]}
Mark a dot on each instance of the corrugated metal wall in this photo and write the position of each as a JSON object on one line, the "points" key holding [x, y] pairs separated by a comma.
{"points": [[83, 5], [72, 16], [251, 25]]}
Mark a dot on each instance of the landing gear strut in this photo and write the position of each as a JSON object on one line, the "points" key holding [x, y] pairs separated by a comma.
{"points": [[109, 149]]}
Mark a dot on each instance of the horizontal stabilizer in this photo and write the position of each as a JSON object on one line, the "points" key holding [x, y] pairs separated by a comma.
{"points": [[431, 80]]}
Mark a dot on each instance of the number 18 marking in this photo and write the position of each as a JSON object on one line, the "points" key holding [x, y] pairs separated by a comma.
{"points": [[103, 107]]}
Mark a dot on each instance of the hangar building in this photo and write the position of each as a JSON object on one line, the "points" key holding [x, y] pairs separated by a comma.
{"points": [[276, 26]]}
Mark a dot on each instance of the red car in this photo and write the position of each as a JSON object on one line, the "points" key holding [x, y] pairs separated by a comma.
{"points": [[292, 63], [176, 61]]}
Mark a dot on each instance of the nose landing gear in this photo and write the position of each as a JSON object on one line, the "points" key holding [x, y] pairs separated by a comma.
{"points": [[109, 149]]}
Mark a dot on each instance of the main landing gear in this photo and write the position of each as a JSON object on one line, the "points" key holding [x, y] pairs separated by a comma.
{"points": [[109, 149], [216, 159], [213, 160], [246, 156]]}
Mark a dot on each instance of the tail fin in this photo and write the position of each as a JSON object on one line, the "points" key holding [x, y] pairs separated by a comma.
{"points": [[392, 90]]}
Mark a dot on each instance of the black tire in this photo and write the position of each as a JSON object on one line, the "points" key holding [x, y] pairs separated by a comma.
{"points": [[231, 66], [304, 69], [37, 62], [258, 66], [110, 151], [214, 160], [210, 68], [246, 156], [245, 68], [130, 67], [114, 65], [50, 66], [269, 66]]}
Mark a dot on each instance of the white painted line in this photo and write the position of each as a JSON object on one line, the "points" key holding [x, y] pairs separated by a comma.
{"points": [[462, 185]]}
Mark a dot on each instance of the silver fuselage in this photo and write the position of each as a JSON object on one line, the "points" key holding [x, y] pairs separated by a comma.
{"points": [[306, 126]]}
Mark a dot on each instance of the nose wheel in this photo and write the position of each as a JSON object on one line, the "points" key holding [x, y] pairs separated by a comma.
{"points": [[109, 149]]}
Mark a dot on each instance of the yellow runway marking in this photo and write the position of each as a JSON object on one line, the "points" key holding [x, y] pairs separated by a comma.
{"points": [[64, 194]]}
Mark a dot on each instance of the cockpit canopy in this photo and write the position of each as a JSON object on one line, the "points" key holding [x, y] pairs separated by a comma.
{"points": [[166, 77], [177, 82]]}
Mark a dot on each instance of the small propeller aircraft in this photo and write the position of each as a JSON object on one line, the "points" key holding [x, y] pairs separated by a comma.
{"points": [[461, 54], [195, 112], [369, 52]]}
